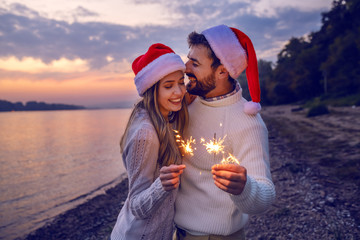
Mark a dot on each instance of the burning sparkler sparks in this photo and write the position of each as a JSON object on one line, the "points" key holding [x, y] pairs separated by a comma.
{"points": [[214, 146], [230, 160], [185, 145]]}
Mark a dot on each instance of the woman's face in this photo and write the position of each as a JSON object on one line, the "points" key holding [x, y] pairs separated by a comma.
{"points": [[171, 91]]}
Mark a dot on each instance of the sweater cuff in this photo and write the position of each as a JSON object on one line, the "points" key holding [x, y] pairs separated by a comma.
{"points": [[246, 193], [159, 188]]}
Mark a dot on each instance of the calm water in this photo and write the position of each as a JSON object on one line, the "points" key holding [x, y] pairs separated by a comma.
{"points": [[52, 161]]}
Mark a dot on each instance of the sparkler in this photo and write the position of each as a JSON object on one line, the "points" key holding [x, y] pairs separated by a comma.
{"points": [[214, 146], [230, 160], [186, 146]]}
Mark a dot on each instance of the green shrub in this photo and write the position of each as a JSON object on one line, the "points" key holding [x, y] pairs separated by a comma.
{"points": [[317, 110]]}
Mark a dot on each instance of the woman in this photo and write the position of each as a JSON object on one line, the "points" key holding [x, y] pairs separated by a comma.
{"points": [[149, 150]]}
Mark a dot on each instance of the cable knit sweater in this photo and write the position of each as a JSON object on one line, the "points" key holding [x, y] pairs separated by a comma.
{"points": [[201, 207], [148, 211]]}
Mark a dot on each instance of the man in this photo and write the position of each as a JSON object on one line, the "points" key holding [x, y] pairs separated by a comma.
{"points": [[214, 199]]}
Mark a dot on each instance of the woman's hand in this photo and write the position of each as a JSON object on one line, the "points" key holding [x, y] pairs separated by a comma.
{"points": [[170, 176]]}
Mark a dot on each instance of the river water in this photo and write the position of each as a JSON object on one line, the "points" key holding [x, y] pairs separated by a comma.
{"points": [[52, 161]]}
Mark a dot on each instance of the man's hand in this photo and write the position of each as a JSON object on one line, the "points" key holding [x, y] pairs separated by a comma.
{"points": [[230, 178], [170, 176]]}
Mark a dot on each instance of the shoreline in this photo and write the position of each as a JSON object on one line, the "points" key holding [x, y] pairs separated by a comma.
{"points": [[93, 219], [315, 169]]}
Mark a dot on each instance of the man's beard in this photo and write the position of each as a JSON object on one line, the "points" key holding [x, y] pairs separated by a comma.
{"points": [[202, 87]]}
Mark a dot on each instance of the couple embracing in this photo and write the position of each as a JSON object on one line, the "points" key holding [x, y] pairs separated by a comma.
{"points": [[176, 195]]}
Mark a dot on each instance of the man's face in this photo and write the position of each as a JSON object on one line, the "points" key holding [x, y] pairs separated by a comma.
{"points": [[199, 72]]}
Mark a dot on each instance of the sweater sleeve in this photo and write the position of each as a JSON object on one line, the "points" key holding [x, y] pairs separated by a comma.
{"points": [[145, 193], [259, 191]]}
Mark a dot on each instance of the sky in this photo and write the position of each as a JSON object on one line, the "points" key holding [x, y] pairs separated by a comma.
{"points": [[80, 51]]}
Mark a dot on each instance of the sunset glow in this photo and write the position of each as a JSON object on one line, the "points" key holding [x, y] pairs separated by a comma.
{"points": [[33, 65], [88, 88]]}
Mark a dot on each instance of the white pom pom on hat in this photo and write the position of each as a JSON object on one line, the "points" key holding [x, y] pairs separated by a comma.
{"points": [[159, 61], [236, 52]]}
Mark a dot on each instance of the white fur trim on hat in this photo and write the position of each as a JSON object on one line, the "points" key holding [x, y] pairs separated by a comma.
{"points": [[156, 70], [252, 108], [227, 48]]}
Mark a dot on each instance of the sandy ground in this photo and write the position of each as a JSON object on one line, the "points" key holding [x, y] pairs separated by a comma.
{"points": [[315, 166]]}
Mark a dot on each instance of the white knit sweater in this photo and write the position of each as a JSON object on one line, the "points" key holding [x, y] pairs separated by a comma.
{"points": [[148, 212], [201, 207]]}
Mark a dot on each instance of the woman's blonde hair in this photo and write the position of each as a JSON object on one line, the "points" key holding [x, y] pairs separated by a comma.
{"points": [[169, 152]]}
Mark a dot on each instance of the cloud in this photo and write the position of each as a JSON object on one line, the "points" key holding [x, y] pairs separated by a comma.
{"points": [[94, 42], [25, 32], [21, 10], [124, 12], [51, 40], [273, 8], [269, 35], [83, 12], [268, 23], [121, 67], [31, 65]]}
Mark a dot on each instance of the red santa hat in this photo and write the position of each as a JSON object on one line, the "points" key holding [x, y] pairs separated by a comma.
{"points": [[156, 63], [236, 52]]}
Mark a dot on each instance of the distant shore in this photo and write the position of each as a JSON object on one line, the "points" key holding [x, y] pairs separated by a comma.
{"points": [[6, 106], [315, 169]]}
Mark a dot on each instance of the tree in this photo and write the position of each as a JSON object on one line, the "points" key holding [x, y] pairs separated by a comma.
{"points": [[341, 67], [287, 71], [265, 74], [331, 54]]}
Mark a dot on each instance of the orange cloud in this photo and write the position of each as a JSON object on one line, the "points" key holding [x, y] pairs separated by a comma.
{"points": [[34, 65]]}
